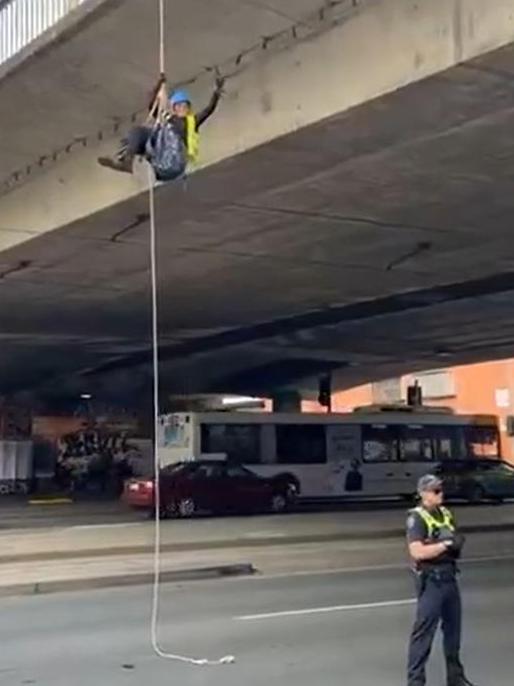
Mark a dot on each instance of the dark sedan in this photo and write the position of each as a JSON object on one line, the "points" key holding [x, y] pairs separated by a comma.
{"points": [[210, 486], [477, 480]]}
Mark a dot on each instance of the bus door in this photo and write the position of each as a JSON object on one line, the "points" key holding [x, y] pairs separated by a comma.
{"points": [[381, 470], [416, 455], [175, 438], [344, 475]]}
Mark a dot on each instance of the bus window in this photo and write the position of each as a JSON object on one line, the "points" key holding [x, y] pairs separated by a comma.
{"points": [[174, 431], [301, 444], [482, 441], [415, 444], [448, 443], [379, 443], [444, 448], [240, 442]]}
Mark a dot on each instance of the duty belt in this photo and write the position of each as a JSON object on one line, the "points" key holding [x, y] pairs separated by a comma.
{"points": [[440, 575]]}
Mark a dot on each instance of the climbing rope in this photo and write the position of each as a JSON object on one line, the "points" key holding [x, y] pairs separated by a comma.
{"points": [[154, 630]]}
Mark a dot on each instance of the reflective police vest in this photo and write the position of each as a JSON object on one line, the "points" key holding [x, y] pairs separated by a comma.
{"points": [[437, 529]]}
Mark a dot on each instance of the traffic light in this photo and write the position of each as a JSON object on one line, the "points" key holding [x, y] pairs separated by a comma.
{"points": [[325, 392], [414, 395]]}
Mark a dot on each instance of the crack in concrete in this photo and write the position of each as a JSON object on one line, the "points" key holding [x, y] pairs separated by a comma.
{"points": [[381, 223]]}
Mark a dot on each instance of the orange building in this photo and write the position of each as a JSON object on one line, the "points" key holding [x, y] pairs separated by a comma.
{"points": [[485, 388]]}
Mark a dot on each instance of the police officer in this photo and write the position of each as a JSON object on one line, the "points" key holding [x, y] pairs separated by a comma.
{"points": [[434, 547]]}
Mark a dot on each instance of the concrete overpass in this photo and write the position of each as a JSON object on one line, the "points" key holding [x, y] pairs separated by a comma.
{"points": [[353, 213]]}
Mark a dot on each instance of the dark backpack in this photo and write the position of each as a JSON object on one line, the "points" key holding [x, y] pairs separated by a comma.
{"points": [[166, 153]]}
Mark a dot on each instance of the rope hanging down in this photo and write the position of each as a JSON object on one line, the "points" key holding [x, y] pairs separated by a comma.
{"points": [[155, 362]]}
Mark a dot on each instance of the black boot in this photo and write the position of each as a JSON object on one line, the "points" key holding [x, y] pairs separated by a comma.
{"points": [[462, 680], [120, 164], [456, 676]]}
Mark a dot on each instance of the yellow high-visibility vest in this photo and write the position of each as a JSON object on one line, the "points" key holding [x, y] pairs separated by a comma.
{"points": [[192, 139], [434, 524]]}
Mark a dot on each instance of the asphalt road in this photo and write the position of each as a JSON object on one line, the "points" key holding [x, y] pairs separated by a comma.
{"points": [[21, 515], [327, 629]]}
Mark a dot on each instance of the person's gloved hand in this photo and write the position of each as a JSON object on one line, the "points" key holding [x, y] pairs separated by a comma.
{"points": [[458, 541], [153, 104], [455, 544]]}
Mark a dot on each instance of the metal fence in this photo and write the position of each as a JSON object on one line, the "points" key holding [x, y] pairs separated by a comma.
{"points": [[21, 21]]}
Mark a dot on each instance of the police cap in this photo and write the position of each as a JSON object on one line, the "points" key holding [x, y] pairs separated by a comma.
{"points": [[429, 482]]}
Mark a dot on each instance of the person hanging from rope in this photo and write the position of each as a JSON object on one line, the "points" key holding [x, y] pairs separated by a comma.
{"points": [[166, 115]]}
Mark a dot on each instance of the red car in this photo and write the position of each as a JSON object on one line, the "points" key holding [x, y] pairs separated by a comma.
{"points": [[188, 488]]}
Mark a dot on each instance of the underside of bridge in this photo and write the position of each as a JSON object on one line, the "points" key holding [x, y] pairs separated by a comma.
{"points": [[371, 243]]}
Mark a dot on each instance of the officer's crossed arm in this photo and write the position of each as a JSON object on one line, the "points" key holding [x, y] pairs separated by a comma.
{"points": [[420, 551], [416, 536]]}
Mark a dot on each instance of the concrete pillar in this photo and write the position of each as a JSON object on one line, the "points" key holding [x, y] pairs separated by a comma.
{"points": [[287, 401]]}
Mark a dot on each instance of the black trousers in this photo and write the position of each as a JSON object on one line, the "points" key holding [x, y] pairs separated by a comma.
{"points": [[439, 602], [135, 141]]}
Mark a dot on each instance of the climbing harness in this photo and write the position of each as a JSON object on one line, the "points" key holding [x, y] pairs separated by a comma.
{"points": [[166, 152], [164, 149], [155, 364]]}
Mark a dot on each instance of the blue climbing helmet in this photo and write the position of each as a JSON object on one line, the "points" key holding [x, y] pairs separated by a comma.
{"points": [[179, 97]]}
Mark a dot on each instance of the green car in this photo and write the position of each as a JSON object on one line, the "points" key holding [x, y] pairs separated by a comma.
{"points": [[477, 480]]}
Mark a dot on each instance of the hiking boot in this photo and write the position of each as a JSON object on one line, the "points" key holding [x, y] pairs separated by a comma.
{"points": [[461, 680], [120, 164], [456, 676]]}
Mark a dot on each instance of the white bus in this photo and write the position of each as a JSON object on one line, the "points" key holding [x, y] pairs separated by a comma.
{"points": [[375, 451]]}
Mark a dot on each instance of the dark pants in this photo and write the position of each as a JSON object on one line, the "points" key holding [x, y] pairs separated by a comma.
{"points": [[135, 142], [438, 601]]}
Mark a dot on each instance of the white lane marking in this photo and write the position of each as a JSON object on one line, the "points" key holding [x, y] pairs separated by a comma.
{"points": [[117, 525], [324, 610]]}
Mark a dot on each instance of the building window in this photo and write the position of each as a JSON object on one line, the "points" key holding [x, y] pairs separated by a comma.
{"points": [[439, 383], [387, 392]]}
